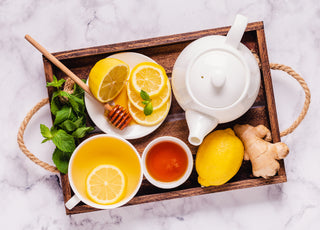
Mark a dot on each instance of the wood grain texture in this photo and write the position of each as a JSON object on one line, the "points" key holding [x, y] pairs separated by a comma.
{"points": [[265, 68], [165, 51]]}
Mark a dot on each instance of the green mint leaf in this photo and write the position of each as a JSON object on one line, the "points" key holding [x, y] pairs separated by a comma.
{"points": [[148, 109], [145, 102], [55, 103], [64, 141], [45, 132], [64, 114], [61, 160], [64, 94], [55, 82], [144, 95], [80, 122], [53, 130], [45, 140], [68, 125], [81, 132], [76, 103], [78, 91]]}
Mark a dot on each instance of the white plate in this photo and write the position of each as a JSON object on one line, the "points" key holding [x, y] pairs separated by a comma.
{"points": [[96, 111]]}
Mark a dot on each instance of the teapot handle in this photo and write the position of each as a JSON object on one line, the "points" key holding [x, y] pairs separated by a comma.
{"points": [[236, 31]]}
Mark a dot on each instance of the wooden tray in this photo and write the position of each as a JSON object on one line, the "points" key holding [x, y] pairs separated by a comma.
{"points": [[165, 50]]}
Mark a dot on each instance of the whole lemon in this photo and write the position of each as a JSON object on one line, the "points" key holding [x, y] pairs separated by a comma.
{"points": [[219, 157]]}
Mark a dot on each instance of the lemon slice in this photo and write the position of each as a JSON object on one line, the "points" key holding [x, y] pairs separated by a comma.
{"points": [[156, 117], [157, 101], [107, 78], [105, 184], [149, 77]]}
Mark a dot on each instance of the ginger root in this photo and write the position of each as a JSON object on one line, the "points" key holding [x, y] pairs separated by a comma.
{"points": [[262, 154]]}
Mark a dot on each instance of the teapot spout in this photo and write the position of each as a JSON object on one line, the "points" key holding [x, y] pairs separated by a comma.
{"points": [[199, 125]]}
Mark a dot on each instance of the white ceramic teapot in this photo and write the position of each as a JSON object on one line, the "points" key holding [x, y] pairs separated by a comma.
{"points": [[215, 79]]}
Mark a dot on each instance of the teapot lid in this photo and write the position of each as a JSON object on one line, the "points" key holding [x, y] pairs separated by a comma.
{"points": [[218, 77]]}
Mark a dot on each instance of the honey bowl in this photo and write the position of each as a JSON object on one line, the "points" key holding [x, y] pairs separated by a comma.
{"points": [[96, 153], [167, 162]]}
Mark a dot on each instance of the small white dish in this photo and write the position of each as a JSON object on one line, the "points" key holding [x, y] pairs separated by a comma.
{"points": [[96, 111], [172, 184]]}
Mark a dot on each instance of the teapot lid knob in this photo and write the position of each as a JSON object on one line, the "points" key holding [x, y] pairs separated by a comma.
{"points": [[218, 78]]}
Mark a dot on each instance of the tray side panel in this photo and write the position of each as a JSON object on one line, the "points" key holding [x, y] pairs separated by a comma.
{"points": [[265, 68], [271, 104]]}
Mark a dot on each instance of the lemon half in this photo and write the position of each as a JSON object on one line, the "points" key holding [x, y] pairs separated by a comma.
{"points": [[107, 78]]}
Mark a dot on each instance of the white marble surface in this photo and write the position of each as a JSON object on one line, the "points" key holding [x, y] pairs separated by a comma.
{"points": [[31, 198]]}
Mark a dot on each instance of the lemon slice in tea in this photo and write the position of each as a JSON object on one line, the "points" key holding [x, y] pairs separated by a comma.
{"points": [[105, 184]]}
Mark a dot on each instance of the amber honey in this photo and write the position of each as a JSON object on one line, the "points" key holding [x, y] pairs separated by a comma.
{"points": [[166, 161]]}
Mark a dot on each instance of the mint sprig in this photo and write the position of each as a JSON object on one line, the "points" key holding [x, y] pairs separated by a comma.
{"points": [[55, 82], [148, 108], [69, 124]]}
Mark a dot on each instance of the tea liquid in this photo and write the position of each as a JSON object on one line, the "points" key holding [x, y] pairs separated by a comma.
{"points": [[166, 161]]}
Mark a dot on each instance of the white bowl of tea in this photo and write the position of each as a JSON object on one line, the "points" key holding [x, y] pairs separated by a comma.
{"points": [[167, 162]]}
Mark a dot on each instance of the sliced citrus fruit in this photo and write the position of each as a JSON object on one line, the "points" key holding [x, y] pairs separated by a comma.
{"points": [[157, 101], [149, 77], [105, 184], [107, 78], [156, 116]]}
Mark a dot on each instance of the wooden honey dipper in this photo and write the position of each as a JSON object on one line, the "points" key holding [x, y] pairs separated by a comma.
{"points": [[117, 115]]}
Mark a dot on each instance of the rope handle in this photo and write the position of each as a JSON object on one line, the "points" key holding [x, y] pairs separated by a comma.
{"points": [[20, 139], [273, 66], [302, 82], [306, 90]]}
